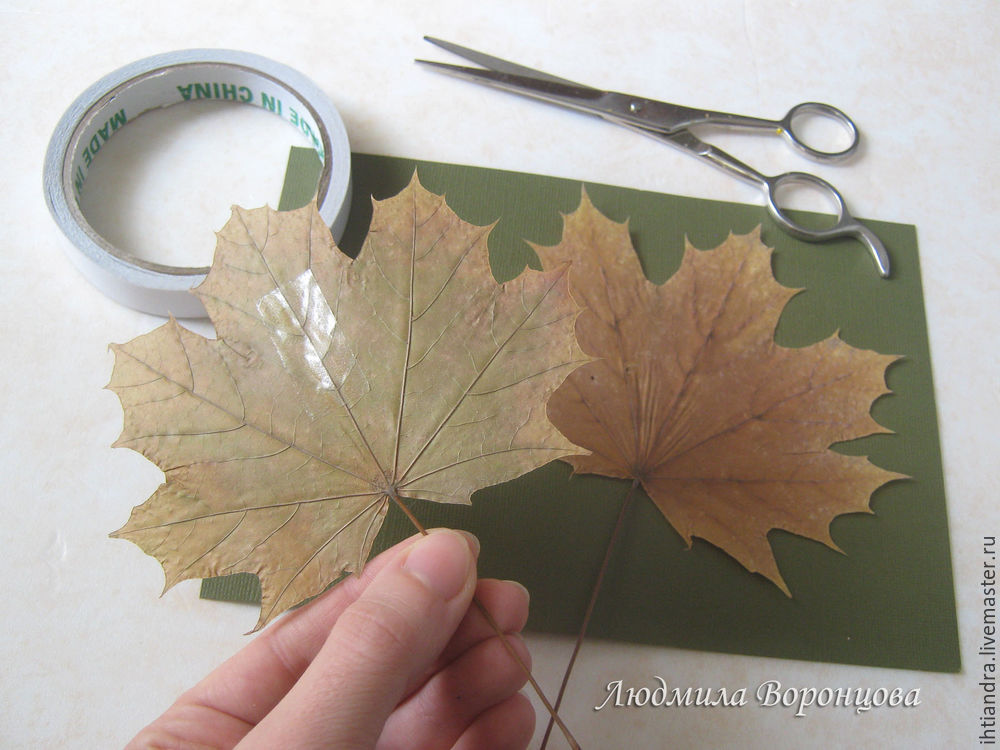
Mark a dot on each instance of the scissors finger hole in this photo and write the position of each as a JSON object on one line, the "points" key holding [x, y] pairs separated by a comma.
{"points": [[821, 206], [822, 131]]}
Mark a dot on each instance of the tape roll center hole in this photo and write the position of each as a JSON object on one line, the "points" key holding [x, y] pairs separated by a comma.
{"points": [[163, 185]]}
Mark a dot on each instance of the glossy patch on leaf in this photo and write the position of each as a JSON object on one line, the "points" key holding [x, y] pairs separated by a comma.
{"points": [[334, 386]]}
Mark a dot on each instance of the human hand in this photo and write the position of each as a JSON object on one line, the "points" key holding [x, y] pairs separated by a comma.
{"points": [[392, 658]]}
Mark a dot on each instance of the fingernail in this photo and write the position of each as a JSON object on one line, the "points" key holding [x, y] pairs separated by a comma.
{"points": [[519, 585], [471, 538], [441, 561]]}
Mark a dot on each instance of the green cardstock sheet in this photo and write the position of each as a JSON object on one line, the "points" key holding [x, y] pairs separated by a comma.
{"points": [[887, 599]]}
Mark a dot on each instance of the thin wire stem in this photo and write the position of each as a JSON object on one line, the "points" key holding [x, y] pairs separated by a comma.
{"points": [[491, 621], [619, 524], [553, 712]]}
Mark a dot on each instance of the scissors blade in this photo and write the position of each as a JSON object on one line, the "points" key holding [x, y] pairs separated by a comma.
{"points": [[573, 96], [495, 63], [518, 79]]}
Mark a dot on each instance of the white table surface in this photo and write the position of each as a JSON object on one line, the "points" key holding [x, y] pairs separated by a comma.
{"points": [[89, 652]]}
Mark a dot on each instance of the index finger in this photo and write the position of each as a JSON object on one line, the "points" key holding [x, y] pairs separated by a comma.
{"points": [[250, 683]]}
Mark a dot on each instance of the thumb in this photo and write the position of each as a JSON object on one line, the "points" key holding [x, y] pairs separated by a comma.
{"points": [[379, 649]]}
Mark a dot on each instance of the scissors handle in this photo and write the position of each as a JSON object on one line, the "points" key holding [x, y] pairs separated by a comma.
{"points": [[845, 225], [817, 109], [790, 127]]}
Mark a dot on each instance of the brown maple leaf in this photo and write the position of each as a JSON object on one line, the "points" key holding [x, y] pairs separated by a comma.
{"points": [[334, 387], [728, 432]]}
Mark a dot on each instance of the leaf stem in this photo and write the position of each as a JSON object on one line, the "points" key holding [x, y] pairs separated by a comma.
{"points": [[619, 524], [491, 621], [409, 513]]}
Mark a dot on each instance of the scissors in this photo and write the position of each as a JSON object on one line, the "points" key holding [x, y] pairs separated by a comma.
{"points": [[671, 122]]}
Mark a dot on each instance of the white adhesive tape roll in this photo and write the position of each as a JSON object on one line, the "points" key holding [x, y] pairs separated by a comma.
{"points": [[160, 81]]}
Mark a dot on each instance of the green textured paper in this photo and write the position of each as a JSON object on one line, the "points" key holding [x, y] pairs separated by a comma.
{"points": [[887, 601]]}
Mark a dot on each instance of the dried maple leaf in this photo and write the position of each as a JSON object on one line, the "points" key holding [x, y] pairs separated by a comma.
{"points": [[334, 387], [727, 432]]}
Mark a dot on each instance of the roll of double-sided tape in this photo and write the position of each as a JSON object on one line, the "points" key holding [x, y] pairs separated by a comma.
{"points": [[120, 97]]}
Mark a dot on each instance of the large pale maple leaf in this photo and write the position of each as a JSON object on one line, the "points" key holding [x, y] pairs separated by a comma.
{"points": [[336, 387], [728, 432]]}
